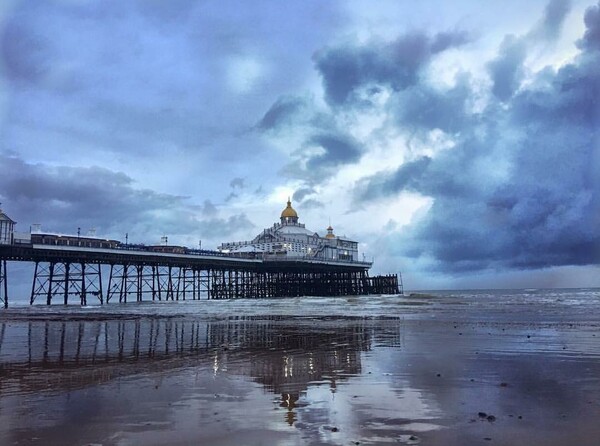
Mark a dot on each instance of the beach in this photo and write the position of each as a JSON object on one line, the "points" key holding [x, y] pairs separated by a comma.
{"points": [[519, 367]]}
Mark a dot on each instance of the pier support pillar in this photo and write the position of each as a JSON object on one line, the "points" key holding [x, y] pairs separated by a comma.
{"points": [[3, 284]]}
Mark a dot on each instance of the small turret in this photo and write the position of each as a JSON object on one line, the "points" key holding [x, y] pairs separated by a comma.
{"points": [[7, 228], [330, 233]]}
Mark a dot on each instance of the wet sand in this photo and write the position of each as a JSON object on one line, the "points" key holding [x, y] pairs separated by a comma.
{"points": [[431, 370]]}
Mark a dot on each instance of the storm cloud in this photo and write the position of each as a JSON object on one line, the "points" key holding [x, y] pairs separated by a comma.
{"points": [[552, 20], [507, 69], [591, 38], [63, 198], [322, 144], [519, 190], [396, 64]]}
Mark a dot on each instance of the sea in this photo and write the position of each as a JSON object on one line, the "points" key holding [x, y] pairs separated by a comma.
{"points": [[430, 367]]}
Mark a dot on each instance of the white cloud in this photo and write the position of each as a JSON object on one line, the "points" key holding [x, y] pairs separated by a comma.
{"points": [[244, 73]]}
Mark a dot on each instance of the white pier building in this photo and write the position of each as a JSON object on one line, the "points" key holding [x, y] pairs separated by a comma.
{"points": [[289, 238]]}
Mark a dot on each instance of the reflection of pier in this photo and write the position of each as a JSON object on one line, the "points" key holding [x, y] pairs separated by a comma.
{"points": [[283, 355]]}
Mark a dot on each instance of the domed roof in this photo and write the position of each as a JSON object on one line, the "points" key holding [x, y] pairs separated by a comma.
{"points": [[289, 211], [330, 233]]}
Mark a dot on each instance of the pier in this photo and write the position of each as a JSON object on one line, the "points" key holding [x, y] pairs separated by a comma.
{"points": [[70, 274], [285, 260]]}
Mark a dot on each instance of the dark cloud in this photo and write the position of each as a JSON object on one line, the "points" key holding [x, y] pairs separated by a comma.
{"points": [[395, 64], [237, 183], [302, 193], [322, 155], [231, 196], [23, 54], [591, 38], [449, 39], [322, 146], [280, 113], [312, 203], [554, 15], [337, 150], [348, 69], [223, 228], [63, 198], [506, 70], [519, 189], [150, 78], [165, 11], [208, 209], [424, 107], [567, 99], [408, 177]]}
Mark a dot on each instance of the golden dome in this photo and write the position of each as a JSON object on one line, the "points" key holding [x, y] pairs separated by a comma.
{"points": [[289, 211], [330, 233]]}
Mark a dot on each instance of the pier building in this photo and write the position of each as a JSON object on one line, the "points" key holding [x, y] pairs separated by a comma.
{"points": [[290, 238]]}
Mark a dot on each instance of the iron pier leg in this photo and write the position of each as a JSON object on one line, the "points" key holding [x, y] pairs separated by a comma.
{"points": [[3, 284], [194, 278], [49, 296], [158, 282], [153, 282], [208, 284], [66, 291], [237, 284], [110, 284], [170, 283], [123, 289], [182, 271], [83, 287], [140, 272], [35, 271], [100, 295]]}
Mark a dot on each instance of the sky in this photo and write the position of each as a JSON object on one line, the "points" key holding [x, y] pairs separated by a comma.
{"points": [[456, 141]]}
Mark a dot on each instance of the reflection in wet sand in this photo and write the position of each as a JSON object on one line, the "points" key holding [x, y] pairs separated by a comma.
{"points": [[285, 356], [83, 377]]}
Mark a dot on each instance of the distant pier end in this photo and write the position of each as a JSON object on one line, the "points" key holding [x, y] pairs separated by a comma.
{"points": [[285, 260]]}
